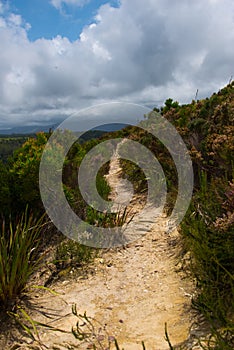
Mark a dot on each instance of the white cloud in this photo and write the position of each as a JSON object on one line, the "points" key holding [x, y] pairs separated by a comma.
{"points": [[15, 19], [145, 54], [3, 7], [100, 51], [58, 3], [2, 23]]}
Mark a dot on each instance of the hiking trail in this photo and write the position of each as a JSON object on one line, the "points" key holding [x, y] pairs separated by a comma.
{"points": [[132, 292]]}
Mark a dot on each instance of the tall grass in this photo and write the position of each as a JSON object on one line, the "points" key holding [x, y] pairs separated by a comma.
{"points": [[92, 333], [209, 235], [19, 241]]}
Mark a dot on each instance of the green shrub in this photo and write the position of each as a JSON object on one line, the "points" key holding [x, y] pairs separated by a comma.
{"points": [[208, 233], [5, 199], [24, 172], [70, 254], [19, 241]]}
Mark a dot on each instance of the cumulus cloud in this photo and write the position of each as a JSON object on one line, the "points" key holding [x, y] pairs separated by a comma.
{"points": [[1, 8], [58, 3], [143, 53]]}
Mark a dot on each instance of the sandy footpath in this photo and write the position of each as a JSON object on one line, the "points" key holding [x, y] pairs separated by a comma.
{"points": [[132, 292]]}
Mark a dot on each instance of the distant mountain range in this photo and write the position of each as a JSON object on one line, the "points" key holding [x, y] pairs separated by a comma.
{"points": [[26, 130], [111, 127], [33, 129]]}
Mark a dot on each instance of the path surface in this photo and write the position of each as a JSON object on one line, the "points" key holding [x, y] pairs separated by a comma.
{"points": [[134, 290]]}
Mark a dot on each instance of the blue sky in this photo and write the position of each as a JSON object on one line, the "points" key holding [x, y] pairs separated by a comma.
{"points": [[58, 56], [48, 21]]}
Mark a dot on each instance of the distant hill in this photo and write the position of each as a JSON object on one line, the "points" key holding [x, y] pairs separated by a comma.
{"points": [[11, 139], [111, 127], [27, 129], [33, 129]]}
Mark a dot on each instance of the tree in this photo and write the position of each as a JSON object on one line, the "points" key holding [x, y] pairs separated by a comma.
{"points": [[24, 170], [5, 197], [170, 104]]}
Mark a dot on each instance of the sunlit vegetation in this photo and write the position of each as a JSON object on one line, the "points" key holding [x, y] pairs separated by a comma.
{"points": [[207, 128], [207, 231], [9, 144], [22, 239], [18, 255]]}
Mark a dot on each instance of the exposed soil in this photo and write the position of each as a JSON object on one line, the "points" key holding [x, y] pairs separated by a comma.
{"points": [[132, 291]]}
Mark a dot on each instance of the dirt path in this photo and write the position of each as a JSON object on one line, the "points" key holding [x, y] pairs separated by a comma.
{"points": [[133, 292]]}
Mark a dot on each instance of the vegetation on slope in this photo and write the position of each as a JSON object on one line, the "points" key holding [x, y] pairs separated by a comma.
{"points": [[207, 128], [21, 238]]}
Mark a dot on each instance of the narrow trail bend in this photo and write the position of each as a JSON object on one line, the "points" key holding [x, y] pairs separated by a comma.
{"points": [[134, 291]]}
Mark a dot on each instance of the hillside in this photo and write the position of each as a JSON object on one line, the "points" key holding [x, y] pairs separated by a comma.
{"points": [[133, 289]]}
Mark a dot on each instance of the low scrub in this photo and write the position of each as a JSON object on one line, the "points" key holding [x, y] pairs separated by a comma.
{"points": [[19, 241], [208, 233]]}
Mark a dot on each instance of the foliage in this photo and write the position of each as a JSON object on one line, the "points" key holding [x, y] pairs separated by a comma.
{"points": [[20, 175], [19, 241], [71, 254], [208, 231], [5, 197], [169, 104], [105, 219], [210, 241], [207, 128], [24, 172], [90, 332], [136, 175], [9, 144], [70, 176]]}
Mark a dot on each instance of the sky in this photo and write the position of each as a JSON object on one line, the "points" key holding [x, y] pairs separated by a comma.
{"points": [[58, 56]]}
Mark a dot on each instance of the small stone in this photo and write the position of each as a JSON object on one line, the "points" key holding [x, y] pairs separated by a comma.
{"points": [[109, 308], [65, 282]]}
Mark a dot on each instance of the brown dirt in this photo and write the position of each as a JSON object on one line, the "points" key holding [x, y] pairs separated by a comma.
{"points": [[132, 292]]}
